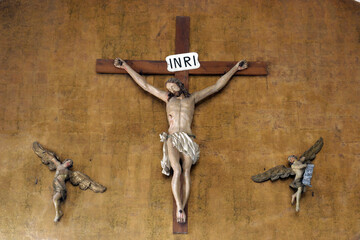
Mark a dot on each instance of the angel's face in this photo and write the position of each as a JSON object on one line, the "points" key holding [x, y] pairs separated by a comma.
{"points": [[292, 159], [68, 163]]}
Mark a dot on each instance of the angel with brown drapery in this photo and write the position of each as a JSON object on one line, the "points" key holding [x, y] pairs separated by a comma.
{"points": [[62, 175], [302, 168]]}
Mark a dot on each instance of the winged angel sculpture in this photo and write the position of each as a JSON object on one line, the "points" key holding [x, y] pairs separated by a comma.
{"points": [[62, 175], [298, 167]]}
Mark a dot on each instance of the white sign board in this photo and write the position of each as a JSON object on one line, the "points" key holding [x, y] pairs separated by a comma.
{"points": [[181, 62]]}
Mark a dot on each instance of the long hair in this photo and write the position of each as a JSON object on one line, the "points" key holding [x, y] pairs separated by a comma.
{"points": [[183, 90]]}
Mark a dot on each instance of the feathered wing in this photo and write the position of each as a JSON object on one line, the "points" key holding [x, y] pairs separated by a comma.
{"points": [[273, 174], [47, 157], [310, 154], [85, 182]]}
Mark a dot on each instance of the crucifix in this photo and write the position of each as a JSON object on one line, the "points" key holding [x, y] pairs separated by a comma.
{"points": [[180, 104]]}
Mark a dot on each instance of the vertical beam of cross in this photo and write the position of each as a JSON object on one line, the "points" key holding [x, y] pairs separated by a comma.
{"points": [[182, 45]]}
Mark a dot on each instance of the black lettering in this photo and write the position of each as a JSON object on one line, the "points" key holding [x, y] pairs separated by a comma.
{"points": [[194, 60], [177, 62], [170, 63], [186, 61]]}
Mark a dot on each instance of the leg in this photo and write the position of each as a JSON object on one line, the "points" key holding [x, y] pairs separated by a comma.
{"points": [[187, 163], [56, 200], [293, 198], [298, 195], [174, 157]]}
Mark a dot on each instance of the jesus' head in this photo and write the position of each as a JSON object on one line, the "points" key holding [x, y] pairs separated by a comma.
{"points": [[176, 88]]}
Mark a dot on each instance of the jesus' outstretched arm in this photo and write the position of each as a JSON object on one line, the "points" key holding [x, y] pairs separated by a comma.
{"points": [[140, 80], [200, 95]]}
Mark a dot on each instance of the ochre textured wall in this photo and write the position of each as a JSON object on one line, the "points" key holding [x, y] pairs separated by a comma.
{"points": [[49, 92]]}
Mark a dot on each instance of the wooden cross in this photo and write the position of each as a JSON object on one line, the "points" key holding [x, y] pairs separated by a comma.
{"points": [[182, 45]]}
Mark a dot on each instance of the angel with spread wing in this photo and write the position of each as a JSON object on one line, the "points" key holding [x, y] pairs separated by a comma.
{"points": [[62, 175], [298, 167]]}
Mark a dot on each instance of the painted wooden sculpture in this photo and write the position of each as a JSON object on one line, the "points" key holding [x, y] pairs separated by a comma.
{"points": [[179, 141], [151, 67], [62, 175], [301, 168]]}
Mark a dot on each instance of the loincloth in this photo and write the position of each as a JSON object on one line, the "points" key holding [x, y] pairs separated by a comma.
{"points": [[59, 187], [183, 143], [296, 184]]}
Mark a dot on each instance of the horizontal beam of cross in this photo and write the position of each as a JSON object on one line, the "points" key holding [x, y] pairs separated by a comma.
{"points": [[160, 67]]}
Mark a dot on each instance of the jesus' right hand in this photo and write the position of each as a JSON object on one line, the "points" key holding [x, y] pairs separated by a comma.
{"points": [[119, 63], [242, 65]]}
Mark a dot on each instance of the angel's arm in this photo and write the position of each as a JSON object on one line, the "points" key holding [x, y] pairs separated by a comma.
{"points": [[298, 165], [140, 80], [221, 82], [55, 161], [47, 157], [303, 165]]}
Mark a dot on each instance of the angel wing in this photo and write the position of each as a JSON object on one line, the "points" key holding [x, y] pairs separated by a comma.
{"points": [[85, 182], [273, 174], [47, 157], [310, 154]]}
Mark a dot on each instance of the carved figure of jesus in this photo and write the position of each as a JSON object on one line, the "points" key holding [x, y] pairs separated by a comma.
{"points": [[179, 141]]}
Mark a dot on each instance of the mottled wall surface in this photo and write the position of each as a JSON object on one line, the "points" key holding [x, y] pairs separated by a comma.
{"points": [[49, 92]]}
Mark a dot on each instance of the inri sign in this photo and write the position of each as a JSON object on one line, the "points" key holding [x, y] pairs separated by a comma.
{"points": [[181, 62]]}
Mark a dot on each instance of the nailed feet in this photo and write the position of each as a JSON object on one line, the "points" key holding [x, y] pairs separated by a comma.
{"points": [[180, 216], [58, 216]]}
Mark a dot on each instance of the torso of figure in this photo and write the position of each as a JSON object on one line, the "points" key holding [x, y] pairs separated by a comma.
{"points": [[62, 173], [299, 168], [180, 112]]}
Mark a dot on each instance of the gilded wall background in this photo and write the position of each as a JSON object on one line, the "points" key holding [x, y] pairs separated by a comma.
{"points": [[49, 92]]}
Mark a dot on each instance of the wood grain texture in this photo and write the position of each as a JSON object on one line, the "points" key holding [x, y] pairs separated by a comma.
{"points": [[148, 67]]}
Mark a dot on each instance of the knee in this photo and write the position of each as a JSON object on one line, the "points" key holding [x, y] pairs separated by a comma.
{"points": [[177, 173], [56, 197], [187, 172]]}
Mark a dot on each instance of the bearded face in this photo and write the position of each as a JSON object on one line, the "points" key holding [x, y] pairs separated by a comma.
{"points": [[174, 89]]}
